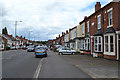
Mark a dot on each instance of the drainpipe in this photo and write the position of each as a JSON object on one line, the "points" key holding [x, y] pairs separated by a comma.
{"points": [[91, 45], [103, 30]]}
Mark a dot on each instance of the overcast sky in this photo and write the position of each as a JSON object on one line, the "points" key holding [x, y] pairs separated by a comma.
{"points": [[45, 18]]}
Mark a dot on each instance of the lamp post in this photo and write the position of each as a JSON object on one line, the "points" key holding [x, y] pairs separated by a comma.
{"points": [[29, 34], [16, 31]]}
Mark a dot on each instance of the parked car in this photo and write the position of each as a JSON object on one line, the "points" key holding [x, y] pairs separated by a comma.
{"points": [[40, 52], [58, 49], [12, 47], [66, 50], [24, 47], [45, 47], [30, 49]]}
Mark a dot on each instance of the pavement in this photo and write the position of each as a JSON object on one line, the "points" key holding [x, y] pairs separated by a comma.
{"points": [[22, 64], [95, 67]]}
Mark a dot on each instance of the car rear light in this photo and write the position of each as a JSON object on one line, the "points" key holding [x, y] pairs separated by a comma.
{"points": [[35, 51], [45, 51]]}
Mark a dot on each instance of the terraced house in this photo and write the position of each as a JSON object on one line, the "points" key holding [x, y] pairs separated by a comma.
{"points": [[102, 31], [66, 39], [73, 35], [80, 37]]}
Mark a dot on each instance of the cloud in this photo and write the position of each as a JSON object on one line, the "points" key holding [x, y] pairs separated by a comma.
{"points": [[46, 18]]}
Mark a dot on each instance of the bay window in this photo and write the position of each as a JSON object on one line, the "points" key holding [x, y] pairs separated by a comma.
{"points": [[82, 44], [87, 44], [98, 44], [109, 46]]}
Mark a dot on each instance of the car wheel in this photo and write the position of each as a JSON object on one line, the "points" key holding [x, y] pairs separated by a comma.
{"points": [[36, 56], [45, 55], [60, 53], [73, 53]]}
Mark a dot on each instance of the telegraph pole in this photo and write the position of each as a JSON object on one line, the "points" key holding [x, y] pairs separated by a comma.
{"points": [[16, 31]]}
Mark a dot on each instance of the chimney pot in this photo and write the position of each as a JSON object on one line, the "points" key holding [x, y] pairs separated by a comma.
{"points": [[97, 6], [85, 17]]}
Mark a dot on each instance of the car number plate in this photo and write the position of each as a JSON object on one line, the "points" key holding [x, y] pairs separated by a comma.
{"points": [[40, 52]]}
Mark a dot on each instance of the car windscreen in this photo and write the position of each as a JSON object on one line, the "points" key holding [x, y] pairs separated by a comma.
{"points": [[30, 46], [39, 48], [67, 48]]}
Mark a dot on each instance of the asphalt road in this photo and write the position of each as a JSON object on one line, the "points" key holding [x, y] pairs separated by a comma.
{"points": [[23, 64]]}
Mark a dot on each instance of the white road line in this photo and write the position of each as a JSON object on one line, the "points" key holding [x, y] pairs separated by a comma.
{"points": [[35, 77]]}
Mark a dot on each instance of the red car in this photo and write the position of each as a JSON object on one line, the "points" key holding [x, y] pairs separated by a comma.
{"points": [[24, 47]]}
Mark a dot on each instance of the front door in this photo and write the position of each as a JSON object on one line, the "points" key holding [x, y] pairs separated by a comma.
{"points": [[119, 46]]}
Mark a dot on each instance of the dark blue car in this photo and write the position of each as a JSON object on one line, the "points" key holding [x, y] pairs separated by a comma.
{"points": [[40, 52]]}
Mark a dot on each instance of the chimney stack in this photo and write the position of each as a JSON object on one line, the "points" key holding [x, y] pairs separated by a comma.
{"points": [[10, 35], [59, 35], [62, 33], [66, 31], [21, 36], [85, 17], [24, 37], [97, 6]]}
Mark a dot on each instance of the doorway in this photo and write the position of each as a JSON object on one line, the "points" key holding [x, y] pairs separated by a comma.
{"points": [[119, 45]]}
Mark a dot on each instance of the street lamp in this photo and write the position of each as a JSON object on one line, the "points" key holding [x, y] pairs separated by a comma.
{"points": [[29, 34], [16, 31]]}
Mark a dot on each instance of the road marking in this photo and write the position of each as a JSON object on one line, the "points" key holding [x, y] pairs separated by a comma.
{"points": [[35, 77]]}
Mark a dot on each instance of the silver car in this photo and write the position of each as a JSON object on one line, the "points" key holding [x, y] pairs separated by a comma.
{"points": [[30, 48], [66, 50]]}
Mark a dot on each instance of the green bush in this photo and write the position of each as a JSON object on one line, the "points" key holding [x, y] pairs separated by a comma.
{"points": [[55, 50], [7, 48]]}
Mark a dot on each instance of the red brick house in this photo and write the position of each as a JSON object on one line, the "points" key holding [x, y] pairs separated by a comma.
{"points": [[62, 38], [102, 31]]}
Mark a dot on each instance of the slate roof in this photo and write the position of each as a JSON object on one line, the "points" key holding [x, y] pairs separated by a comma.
{"points": [[87, 35], [110, 30], [98, 33]]}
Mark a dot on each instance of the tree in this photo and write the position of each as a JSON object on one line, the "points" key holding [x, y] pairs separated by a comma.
{"points": [[4, 31]]}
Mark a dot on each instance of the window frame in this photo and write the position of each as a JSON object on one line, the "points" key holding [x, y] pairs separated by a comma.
{"points": [[83, 31], [110, 18], [82, 44], [87, 44], [109, 48], [99, 21], [88, 26], [97, 44]]}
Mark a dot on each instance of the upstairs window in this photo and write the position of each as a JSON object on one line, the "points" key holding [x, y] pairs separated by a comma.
{"points": [[110, 18], [75, 33], [83, 29], [99, 21], [88, 26]]}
